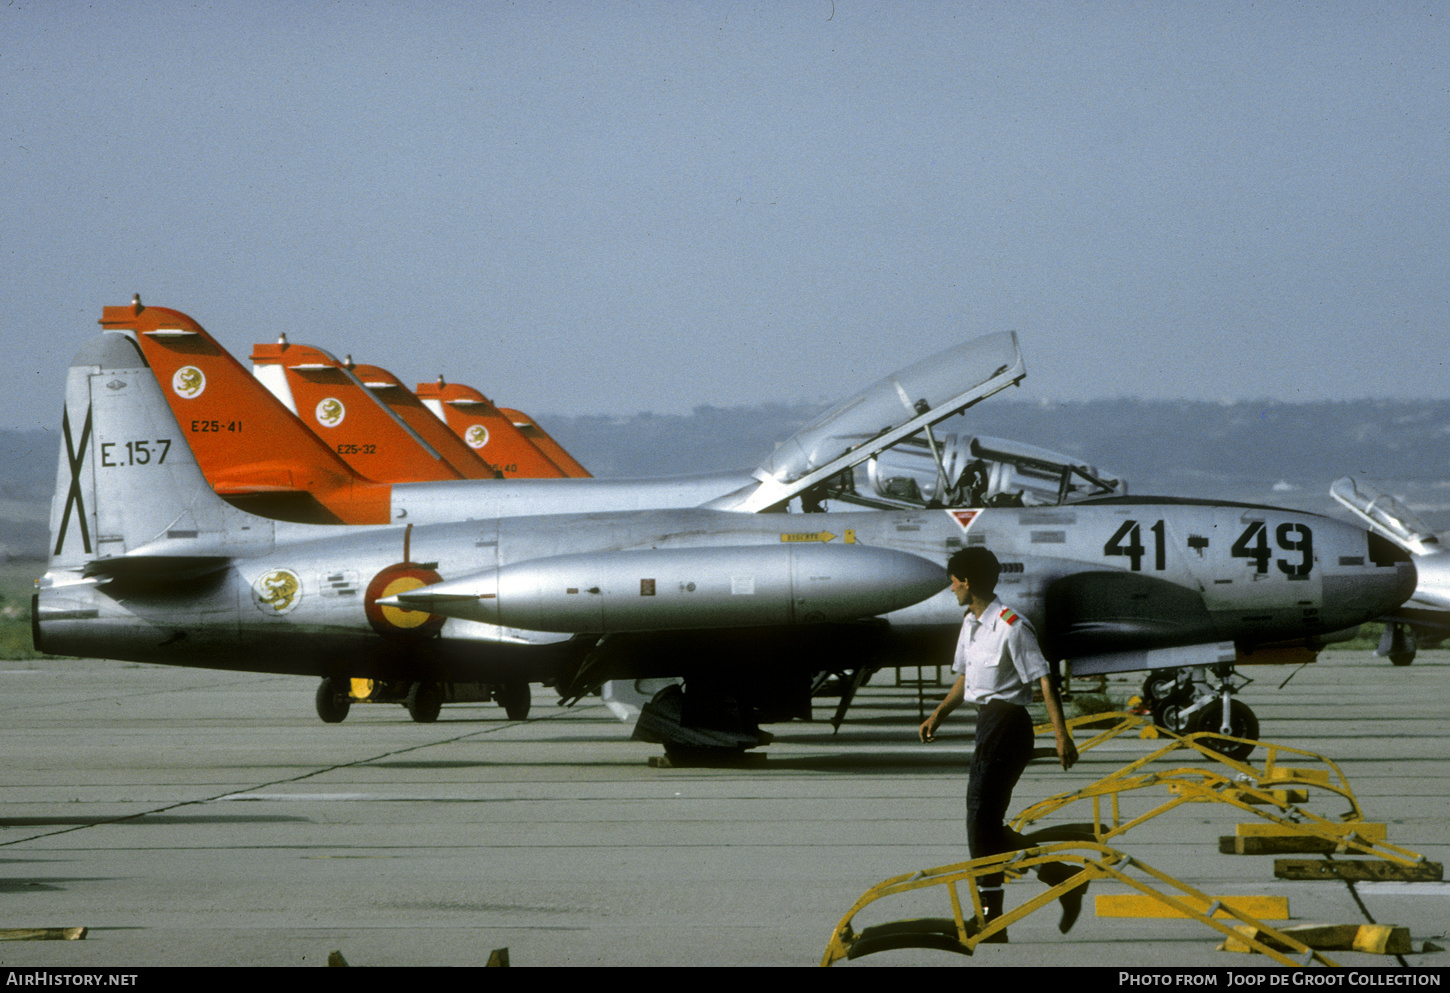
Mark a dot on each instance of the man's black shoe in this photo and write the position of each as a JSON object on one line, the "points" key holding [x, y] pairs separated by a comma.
{"points": [[991, 910]]}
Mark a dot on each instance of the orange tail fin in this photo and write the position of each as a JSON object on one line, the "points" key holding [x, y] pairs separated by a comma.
{"points": [[331, 400], [546, 444], [392, 394], [251, 449], [484, 428]]}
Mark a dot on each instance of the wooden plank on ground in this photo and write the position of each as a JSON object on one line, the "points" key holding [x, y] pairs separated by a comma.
{"points": [[1373, 939], [1264, 908], [42, 933], [1357, 870]]}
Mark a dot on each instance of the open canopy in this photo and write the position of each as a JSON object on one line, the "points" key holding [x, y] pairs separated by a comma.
{"points": [[897, 407]]}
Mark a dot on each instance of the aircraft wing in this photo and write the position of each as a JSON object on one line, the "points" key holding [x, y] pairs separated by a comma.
{"points": [[899, 406]]}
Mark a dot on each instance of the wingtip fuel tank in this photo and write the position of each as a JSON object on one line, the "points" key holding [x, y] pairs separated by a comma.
{"points": [[674, 588]]}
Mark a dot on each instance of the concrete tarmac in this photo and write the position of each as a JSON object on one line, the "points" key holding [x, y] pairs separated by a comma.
{"points": [[198, 818]]}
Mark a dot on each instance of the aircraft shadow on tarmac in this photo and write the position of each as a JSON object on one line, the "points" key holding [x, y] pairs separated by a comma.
{"points": [[49, 884], [853, 758]]}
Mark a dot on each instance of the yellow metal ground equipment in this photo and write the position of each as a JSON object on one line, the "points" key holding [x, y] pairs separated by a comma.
{"points": [[962, 932], [1273, 793]]}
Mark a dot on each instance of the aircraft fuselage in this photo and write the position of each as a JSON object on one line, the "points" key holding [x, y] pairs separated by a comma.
{"points": [[506, 595]]}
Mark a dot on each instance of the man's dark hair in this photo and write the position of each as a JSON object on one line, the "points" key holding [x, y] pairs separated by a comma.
{"points": [[979, 567]]}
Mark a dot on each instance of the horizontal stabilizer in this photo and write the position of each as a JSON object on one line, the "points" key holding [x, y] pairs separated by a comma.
{"points": [[156, 567], [256, 479]]}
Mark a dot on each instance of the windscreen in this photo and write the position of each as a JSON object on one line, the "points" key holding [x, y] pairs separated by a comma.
{"points": [[935, 382]]}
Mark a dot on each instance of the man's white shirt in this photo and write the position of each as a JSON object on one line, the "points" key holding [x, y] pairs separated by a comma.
{"points": [[998, 652]]}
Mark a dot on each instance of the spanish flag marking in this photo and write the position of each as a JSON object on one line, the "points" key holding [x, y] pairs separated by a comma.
{"points": [[1009, 615]]}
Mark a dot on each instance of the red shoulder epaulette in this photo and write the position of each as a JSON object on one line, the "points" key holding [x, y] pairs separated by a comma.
{"points": [[1009, 615]]}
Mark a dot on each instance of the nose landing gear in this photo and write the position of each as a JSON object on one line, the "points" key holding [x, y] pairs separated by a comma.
{"points": [[1200, 698]]}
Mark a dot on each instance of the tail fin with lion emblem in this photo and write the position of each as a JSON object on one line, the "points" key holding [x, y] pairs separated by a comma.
{"points": [[253, 450], [129, 494]]}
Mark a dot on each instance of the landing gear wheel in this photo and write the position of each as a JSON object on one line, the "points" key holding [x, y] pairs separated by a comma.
{"points": [[1242, 724], [1397, 644], [1166, 699], [332, 700], [1169, 716], [515, 699], [1159, 684], [425, 701]]}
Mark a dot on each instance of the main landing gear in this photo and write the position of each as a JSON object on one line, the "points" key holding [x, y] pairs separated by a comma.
{"points": [[334, 699], [423, 700]]}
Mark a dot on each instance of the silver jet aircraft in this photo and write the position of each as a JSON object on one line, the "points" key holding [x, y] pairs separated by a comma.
{"points": [[259, 455], [149, 564], [1425, 617]]}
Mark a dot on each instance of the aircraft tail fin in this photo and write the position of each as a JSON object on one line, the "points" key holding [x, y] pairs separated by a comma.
{"points": [[127, 485], [251, 448], [338, 407], [484, 428], [530, 429], [407, 408]]}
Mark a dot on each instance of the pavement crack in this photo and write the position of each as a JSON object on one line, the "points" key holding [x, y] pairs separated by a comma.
{"points": [[275, 782]]}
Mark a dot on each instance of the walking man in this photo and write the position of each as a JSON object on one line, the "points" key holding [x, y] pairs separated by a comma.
{"points": [[998, 661]]}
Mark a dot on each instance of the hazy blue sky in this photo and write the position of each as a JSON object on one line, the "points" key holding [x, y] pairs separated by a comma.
{"points": [[586, 207]]}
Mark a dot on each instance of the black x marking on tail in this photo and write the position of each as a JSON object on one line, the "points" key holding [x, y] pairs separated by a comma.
{"points": [[76, 457]]}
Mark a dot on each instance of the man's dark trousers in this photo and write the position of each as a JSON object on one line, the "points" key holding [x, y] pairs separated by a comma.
{"points": [[1003, 749]]}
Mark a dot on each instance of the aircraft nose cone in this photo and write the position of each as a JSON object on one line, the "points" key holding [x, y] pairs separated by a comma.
{"points": [[1408, 579], [1433, 588], [1367, 594], [1390, 587]]}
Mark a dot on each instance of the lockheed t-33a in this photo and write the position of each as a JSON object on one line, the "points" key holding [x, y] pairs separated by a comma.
{"points": [[744, 602]]}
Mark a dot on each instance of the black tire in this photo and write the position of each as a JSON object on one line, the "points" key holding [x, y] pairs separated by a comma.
{"points": [[332, 700], [1159, 684], [1167, 715], [1165, 699], [1398, 643], [515, 699], [425, 702], [1242, 723]]}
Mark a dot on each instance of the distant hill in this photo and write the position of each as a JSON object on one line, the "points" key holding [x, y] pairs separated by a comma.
{"points": [[1261, 451], [707, 439], [1142, 438], [27, 464], [27, 476]]}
